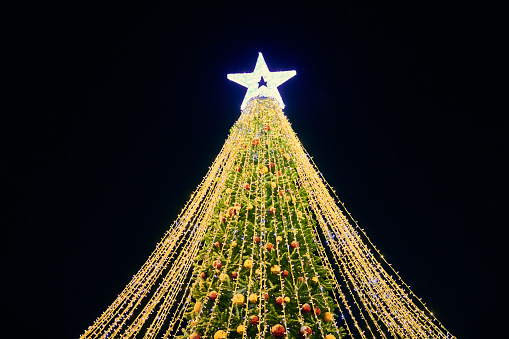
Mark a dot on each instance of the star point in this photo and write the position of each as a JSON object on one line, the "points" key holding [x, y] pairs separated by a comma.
{"points": [[261, 82]]}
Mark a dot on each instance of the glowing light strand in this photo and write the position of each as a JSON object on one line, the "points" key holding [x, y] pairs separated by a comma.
{"points": [[160, 292]]}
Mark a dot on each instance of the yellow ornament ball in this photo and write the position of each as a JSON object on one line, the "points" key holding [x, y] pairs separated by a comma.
{"points": [[279, 238], [220, 335], [330, 336], [315, 280], [234, 243], [197, 307], [258, 272], [328, 317], [273, 185], [253, 298], [287, 299], [241, 329], [275, 269], [264, 170], [238, 299], [223, 276], [248, 264]]}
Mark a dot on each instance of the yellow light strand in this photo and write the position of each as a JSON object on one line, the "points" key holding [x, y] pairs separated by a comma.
{"points": [[160, 292]]}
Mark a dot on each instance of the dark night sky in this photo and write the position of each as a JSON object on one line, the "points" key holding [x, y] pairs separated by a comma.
{"points": [[115, 113]]}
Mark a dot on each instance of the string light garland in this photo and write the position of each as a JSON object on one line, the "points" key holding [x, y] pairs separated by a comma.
{"points": [[264, 248]]}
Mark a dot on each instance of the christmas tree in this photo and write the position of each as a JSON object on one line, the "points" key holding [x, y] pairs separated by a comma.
{"points": [[264, 248]]}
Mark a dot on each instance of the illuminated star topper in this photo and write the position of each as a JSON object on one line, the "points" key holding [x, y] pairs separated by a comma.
{"points": [[261, 82]]}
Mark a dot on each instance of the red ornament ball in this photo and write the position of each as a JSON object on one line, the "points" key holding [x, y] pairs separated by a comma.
{"points": [[306, 308], [278, 330], [269, 247], [232, 211], [256, 239], [234, 275], [217, 244], [305, 330], [213, 295], [318, 311], [271, 164], [253, 319], [266, 127], [294, 244], [273, 210], [203, 275], [247, 186], [285, 273], [216, 264], [279, 300]]}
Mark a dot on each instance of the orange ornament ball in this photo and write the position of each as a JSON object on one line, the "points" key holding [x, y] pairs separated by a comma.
{"points": [[306, 308], [278, 330], [213, 295]]}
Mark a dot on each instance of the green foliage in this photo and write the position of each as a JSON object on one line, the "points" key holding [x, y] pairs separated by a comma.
{"points": [[252, 218]]}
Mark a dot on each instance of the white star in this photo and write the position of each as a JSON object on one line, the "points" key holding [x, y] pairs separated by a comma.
{"points": [[255, 82]]}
